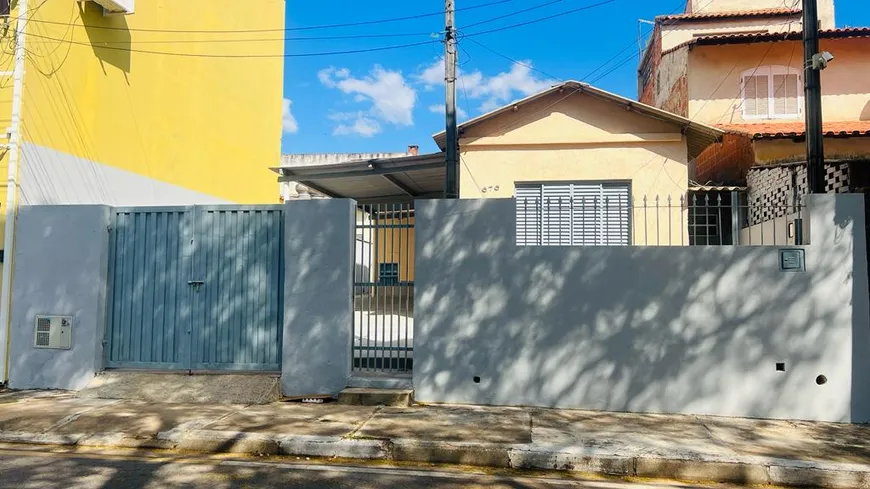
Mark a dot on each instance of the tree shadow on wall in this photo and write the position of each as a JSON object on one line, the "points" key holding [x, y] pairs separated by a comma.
{"points": [[643, 329]]}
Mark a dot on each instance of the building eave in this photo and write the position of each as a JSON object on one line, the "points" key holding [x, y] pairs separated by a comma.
{"points": [[698, 135]]}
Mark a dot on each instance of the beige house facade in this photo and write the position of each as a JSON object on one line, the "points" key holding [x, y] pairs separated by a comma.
{"points": [[585, 166], [563, 144]]}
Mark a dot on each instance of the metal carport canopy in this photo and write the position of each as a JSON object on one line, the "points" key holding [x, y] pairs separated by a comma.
{"points": [[374, 181]]}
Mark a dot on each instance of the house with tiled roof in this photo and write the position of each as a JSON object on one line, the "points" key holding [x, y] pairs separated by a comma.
{"points": [[738, 65]]}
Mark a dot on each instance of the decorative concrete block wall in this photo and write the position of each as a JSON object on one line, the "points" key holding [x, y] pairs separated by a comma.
{"points": [[774, 190]]}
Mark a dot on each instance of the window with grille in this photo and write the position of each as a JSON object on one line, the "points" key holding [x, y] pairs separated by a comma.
{"points": [[573, 214], [772, 92], [388, 273]]}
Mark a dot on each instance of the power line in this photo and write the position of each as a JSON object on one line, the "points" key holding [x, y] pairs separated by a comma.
{"points": [[286, 29], [511, 14], [326, 53], [634, 55], [204, 55], [535, 21], [282, 39], [493, 51], [631, 44]]}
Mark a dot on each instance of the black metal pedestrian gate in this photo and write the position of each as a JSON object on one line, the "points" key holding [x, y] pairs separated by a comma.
{"points": [[196, 288]]}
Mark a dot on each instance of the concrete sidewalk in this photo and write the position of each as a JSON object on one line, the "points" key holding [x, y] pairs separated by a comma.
{"points": [[660, 446]]}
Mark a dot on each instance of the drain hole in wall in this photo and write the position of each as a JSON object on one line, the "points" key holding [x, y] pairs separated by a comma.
{"points": [[780, 366], [476, 379], [821, 380]]}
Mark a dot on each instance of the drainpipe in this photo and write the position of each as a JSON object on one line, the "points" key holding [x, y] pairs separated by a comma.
{"points": [[12, 190]]}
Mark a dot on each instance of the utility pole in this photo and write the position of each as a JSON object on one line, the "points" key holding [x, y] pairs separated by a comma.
{"points": [[451, 183], [12, 188], [813, 97]]}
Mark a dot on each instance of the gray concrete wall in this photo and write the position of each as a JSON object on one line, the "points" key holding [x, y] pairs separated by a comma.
{"points": [[647, 329], [318, 304], [60, 265], [50, 177]]}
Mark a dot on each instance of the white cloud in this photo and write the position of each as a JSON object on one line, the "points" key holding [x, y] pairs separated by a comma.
{"points": [[325, 75], [440, 109], [362, 126], [288, 122], [433, 75], [493, 91], [489, 105], [391, 97]]}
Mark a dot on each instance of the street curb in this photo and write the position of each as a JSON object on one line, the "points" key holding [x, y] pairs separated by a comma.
{"points": [[694, 467]]}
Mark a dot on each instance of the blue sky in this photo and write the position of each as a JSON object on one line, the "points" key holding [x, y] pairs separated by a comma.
{"points": [[383, 101]]}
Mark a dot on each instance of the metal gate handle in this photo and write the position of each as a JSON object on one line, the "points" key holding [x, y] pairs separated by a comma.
{"points": [[195, 282]]}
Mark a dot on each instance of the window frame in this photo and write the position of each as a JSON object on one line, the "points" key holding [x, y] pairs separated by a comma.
{"points": [[389, 273], [600, 237], [771, 71]]}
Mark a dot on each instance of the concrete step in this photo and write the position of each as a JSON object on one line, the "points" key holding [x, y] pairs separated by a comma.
{"points": [[380, 381], [360, 396], [182, 387]]}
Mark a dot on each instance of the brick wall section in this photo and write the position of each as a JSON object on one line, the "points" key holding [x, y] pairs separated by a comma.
{"points": [[772, 190], [678, 99], [646, 93], [727, 162], [663, 79]]}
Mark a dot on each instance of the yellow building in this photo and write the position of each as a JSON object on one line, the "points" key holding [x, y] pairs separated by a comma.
{"points": [[161, 105], [738, 65]]}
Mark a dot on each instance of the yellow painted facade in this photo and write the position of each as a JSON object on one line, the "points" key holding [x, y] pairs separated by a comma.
{"points": [[825, 8], [581, 138], [396, 245], [714, 76], [675, 34], [98, 88], [779, 150]]}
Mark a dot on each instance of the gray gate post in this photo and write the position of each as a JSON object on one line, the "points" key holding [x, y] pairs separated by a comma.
{"points": [[61, 265], [735, 218], [318, 296]]}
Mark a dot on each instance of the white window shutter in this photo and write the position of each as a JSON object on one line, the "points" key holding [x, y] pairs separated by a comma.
{"points": [[780, 99], [556, 211], [792, 92], [615, 214], [528, 204], [587, 214], [762, 98], [785, 95], [578, 214], [750, 95], [772, 92]]}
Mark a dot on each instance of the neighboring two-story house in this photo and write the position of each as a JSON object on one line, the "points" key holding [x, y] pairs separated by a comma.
{"points": [[738, 65]]}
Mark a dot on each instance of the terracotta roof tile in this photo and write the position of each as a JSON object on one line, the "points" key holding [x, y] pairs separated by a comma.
{"points": [[778, 130], [747, 38], [780, 36], [769, 12]]}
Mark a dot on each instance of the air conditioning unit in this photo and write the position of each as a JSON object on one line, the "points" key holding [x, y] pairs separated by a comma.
{"points": [[116, 6], [54, 332]]}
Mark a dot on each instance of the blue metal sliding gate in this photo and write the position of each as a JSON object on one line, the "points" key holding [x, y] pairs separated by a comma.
{"points": [[196, 288]]}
